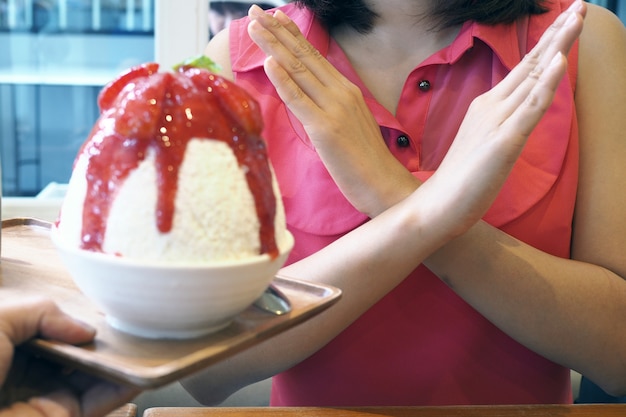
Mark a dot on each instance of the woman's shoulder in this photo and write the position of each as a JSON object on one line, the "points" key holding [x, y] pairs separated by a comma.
{"points": [[218, 49], [602, 25], [602, 45]]}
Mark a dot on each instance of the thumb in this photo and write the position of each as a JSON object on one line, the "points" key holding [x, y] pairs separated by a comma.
{"points": [[24, 316]]}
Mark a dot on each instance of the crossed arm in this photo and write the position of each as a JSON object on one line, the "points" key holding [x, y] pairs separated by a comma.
{"points": [[539, 304]]}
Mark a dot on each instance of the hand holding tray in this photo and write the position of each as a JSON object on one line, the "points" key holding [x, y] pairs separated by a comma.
{"points": [[30, 264]]}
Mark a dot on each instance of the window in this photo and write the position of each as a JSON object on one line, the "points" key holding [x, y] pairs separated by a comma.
{"points": [[55, 57]]}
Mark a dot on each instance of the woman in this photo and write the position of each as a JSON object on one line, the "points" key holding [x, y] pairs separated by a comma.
{"points": [[499, 311]]}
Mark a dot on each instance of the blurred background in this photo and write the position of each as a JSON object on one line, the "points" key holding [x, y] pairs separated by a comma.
{"points": [[55, 56]]}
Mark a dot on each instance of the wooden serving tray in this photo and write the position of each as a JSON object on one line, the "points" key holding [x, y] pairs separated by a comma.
{"points": [[29, 263]]}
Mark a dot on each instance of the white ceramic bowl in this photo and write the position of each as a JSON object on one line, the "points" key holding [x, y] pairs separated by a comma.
{"points": [[160, 301]]}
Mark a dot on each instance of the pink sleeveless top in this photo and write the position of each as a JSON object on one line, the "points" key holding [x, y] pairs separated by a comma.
{"points": [[422, 344]]}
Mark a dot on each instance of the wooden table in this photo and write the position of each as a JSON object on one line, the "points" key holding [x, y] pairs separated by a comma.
{"points": [[591, 410]]}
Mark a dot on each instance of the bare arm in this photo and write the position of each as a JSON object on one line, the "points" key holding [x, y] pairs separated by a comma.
{"points": [[218, 51], [448, 206], [534, 297], [571, 311]]}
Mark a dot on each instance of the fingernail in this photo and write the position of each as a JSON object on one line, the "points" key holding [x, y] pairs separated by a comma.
{"points": [[556, 60], [577, 5], [281, 16], [573, 17], [86, 326], [255, 10]]}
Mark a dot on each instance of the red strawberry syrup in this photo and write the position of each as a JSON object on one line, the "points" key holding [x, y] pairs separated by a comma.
{"points": [[145, 109]]}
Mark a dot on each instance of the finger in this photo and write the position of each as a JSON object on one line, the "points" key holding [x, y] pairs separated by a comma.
{"points": [[304, 51], [283, 55], [290, 92], [287, 23], [510, 97], [22, 317], [560, 36], [537, 101], [289, 42], [536, 73], [293, 80], [294, 53], [309, 85]]}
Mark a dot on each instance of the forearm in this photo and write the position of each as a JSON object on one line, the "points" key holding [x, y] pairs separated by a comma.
{"points": [[370, 261], [568, 311], [365, 264]]}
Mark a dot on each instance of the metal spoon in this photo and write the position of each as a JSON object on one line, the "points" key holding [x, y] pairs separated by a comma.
{"points": [[273, 301]]}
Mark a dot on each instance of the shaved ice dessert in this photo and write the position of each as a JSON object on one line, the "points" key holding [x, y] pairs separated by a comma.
{"points": [[173, 223], [174, 170]]}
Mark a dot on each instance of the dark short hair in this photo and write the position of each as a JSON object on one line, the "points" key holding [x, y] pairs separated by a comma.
{"points": [[444, 13], [223, 7]]}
